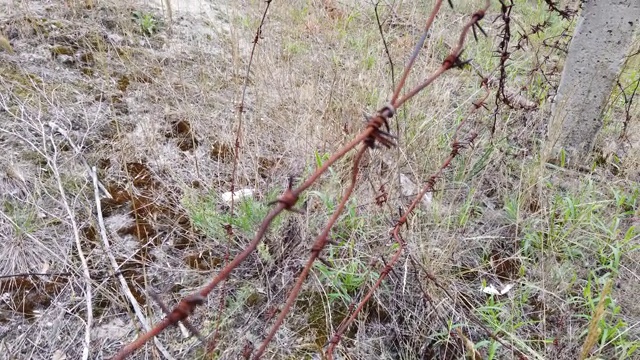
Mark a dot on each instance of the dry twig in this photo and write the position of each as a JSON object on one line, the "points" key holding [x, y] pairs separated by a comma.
{"points": [[53, 164], [116, 269]]}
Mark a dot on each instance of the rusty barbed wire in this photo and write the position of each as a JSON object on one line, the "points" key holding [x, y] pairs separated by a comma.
{"points": [[452, 60], [370, 137], [504, 54], [316, 248], [187, 306], [566, 13], [236, 156], [456, 146], [385, 139]]}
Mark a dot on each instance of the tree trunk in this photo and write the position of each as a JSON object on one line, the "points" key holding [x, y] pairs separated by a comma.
{"points": [[597, 52]]}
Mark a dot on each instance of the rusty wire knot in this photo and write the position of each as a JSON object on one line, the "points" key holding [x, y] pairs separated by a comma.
{"points": [[192, 329], [476, 17], [456, 146], [479, 104], [185, 308], [288, 199], [376, 122], [455, 61]]}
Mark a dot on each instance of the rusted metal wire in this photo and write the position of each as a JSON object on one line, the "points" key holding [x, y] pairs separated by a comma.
{"points": [[236, 158], [456, 146], [372, 136]]}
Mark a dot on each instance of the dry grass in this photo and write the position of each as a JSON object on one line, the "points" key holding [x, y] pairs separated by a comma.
{"points": [[148, 95]]}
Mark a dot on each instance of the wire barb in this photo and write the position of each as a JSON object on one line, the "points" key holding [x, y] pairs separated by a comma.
{"points": [[288, 198], [375, 123]]}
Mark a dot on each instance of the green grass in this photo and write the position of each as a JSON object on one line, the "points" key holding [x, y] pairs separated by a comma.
{"points": [[209, 214], [585, 231], [148, 23]]}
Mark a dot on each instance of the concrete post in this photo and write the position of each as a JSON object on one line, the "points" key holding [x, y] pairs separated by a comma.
{"points": [[600, 43]]}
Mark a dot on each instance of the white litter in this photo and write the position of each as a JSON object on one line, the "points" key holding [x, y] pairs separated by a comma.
{"points": [[491, 290], [237, 195]]}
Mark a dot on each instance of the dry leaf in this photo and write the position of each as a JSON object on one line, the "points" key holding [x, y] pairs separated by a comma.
{"points": [[5, 44], [594, 330], [472, 353]]}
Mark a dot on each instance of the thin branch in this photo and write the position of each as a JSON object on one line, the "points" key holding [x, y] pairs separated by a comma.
{"points": [[114, 265], [384, 42], [628, 102], [34, 274], [83, 260]]}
